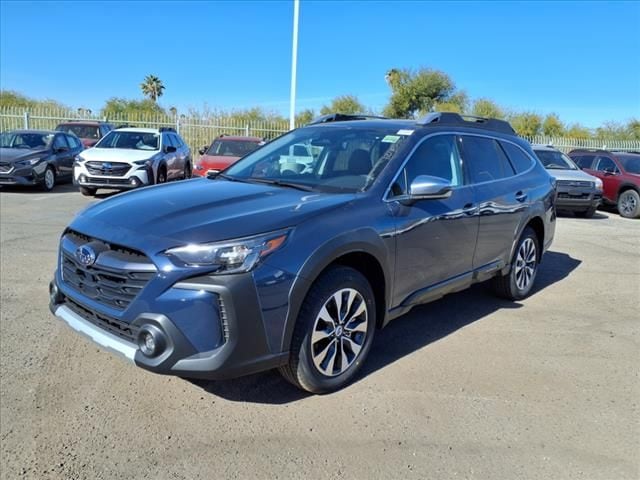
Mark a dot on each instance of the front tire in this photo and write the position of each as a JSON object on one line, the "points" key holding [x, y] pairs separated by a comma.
{"points": [[162, 175], [517, 284], [187, 171], [88, 191], [49, 181], [333, 333], [629, 204]]}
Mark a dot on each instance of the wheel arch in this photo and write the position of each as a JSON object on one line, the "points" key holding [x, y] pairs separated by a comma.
{"points": [[626, 186]]}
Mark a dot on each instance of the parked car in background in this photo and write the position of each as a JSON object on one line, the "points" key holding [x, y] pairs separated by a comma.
{"points": [[576, 190], [270, 269], [88, 131], [224, 151], [132, 157], [37, 157], [620, 175]]}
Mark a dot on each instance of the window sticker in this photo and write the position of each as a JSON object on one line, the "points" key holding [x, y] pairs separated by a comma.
{"points": [[405, 132], [390, 139]]}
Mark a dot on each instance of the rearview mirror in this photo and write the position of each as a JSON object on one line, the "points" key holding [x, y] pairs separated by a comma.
{"points": [[425, 187]]}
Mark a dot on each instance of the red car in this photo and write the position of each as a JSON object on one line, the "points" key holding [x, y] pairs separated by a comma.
{"points": [[223, 152], [88, 131], [620, 175]]}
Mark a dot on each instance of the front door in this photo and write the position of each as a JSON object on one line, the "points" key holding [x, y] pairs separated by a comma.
{"points": [[435, 238]]}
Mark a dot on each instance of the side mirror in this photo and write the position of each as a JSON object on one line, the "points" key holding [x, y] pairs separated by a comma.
{"points": [[425, 187], [170, 149], [203, 150]]}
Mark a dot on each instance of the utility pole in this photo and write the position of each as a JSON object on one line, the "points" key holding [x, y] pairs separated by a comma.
{"points": [[294, 66]]}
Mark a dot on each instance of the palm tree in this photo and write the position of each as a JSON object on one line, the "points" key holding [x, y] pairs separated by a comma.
{"points": [[152, 87]]}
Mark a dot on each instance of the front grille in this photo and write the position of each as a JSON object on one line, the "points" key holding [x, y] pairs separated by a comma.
{"points": [[5, 167], [573, 197], [109, 169], [223, 319], [108, 181], [108, 285], [575, 183], [110, 324]]}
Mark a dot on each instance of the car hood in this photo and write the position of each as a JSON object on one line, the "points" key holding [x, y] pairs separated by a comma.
{"points": [[576, 175], [13, 155], [208, 161], [200, 210], [117, 154]]}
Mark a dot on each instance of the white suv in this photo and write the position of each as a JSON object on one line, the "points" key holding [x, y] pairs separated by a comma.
{"points": [[132, 157]]}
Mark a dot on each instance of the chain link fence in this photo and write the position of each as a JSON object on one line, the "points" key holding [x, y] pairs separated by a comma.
{"points": [[198, 132]]}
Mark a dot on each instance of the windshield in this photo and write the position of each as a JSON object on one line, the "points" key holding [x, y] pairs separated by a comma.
{"points": [[81, 131], [345, 159], [554, 160], [130, 140], [27, 140], [232, 148], [630, 163]]}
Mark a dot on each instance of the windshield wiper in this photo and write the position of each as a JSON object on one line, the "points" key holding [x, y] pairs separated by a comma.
{"points": [[280, 183]]}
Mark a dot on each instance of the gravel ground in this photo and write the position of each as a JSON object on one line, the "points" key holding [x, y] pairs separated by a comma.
{"points": [[466, 387]]}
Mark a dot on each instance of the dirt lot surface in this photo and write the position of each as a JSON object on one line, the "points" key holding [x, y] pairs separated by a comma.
{"points": [[466, 387]]}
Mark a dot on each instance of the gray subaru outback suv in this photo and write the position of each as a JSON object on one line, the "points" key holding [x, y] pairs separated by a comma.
{"points": [[272, 263]]}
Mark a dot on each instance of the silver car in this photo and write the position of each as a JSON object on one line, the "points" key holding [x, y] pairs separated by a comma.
{"points": [[576, 190]]}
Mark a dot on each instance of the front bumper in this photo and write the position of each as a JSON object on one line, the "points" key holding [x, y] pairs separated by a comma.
{"points": [[568, 198], [26, 176], [134, 178], [212, 327]]}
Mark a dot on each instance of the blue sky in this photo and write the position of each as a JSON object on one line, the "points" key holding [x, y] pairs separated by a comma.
{"points": [[578, 59]]}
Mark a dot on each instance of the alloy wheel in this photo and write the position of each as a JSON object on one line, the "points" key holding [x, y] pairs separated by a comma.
{"points": [[49, 179], [525, 263], [339, 332], [627, 204]]}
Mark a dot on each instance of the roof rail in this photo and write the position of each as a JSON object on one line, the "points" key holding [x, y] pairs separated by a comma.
{"points": [[343, 117], [449, 118]]}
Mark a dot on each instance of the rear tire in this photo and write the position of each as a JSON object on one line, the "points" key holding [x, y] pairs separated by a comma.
{"points": [[88, 191], [517, 284], [629, 204], [586, 213], [187, 171], [333, 333]]}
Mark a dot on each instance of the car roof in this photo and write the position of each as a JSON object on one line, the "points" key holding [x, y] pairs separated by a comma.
{"points": [[240, 138], [549, 148], [42, 132], [138, 130], [83, 122]]}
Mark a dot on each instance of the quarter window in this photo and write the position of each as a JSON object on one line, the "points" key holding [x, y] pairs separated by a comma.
{"points": [[484, 160], [584, 161], [73, 142], [59, 142], [520, 160], [436, 156]]}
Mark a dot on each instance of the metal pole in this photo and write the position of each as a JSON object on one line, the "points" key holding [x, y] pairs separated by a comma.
{"points": [[26, 120], [294, 66]]}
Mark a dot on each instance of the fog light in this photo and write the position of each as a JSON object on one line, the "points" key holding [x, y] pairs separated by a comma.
{"points": [[82, 178], [55, 297], [134, 181], [151, 341]]}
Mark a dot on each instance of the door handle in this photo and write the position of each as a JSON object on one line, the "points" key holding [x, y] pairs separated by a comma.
{"points": [[521, 196]]}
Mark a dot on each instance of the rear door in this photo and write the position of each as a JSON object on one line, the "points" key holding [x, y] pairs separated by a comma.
{"points": [[63, 154], [435, 238], [502, 198], [171, 158]]}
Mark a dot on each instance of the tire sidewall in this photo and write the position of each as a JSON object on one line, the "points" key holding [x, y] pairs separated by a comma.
{"points": [[318, 382], [519, 294], [52, 172], [162, 172], [636, 212]]}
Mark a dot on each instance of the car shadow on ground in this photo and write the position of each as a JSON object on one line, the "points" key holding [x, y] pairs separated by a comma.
{"points": [[420, 327], [570, 214], [35, 189]]}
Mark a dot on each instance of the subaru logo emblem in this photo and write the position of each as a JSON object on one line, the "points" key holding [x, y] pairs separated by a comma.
{"points": [[86, 255], [107, 166]]}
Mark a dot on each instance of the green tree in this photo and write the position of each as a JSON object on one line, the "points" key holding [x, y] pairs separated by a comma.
{"points": [[305, 116], [122, 107], [553, 126], [526, 124], [152, 87], [348, 104], [447, 107], [612, 130], [417, 91], [13, 99], [633, 128], [578, 131], [483, 107]]}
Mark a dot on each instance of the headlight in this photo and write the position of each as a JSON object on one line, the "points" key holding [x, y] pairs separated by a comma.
{"points": [[232, 256], [28, 163], [77, 160], [598, 184], [146, 163]]}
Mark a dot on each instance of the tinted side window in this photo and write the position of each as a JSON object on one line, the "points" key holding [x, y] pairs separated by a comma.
{"points": [[73, 142], [177, 141], [484, 159], [605, 164], [583, 161], [520, 160], [59, 142], [167, 140], [436, 156]]}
